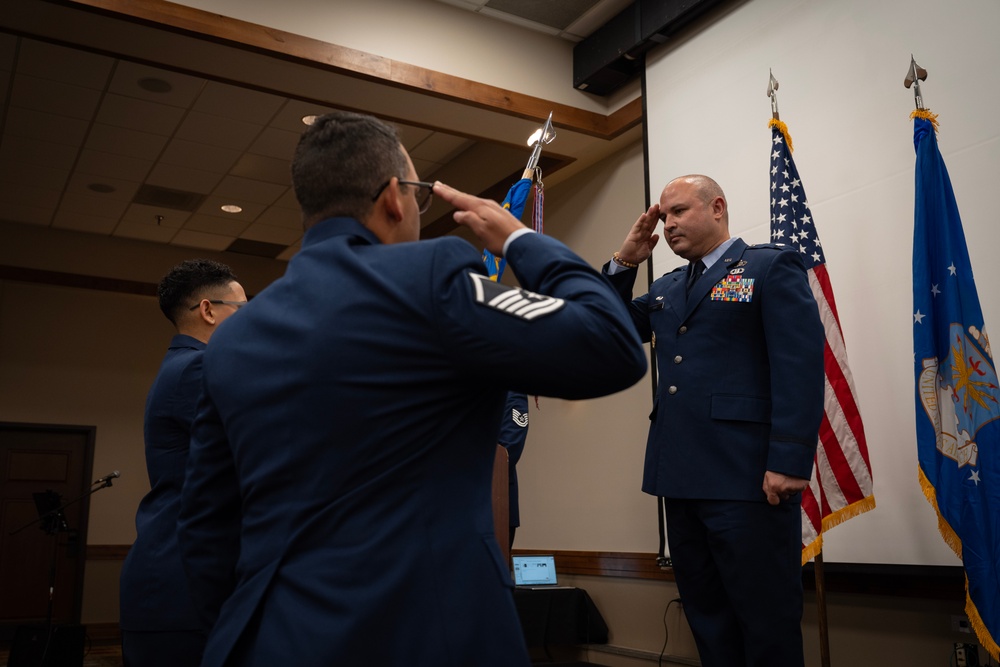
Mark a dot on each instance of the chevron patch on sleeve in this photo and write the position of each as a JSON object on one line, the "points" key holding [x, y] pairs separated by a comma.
{"points": [[513, 300]]}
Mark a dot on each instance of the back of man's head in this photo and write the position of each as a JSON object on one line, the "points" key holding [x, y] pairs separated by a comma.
{"points": [[188, 282], [340, 163]]}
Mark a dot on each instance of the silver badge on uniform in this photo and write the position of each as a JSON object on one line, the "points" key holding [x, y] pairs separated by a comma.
{"points": [[513, 300]]}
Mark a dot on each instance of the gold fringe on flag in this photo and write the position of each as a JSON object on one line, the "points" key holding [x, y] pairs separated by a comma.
{"points": [[926, 115], [835, 519], [780, 124], [952, 540], [947, 532]]}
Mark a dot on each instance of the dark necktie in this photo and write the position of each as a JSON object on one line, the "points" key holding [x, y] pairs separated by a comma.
{"points": [[694, 272]]}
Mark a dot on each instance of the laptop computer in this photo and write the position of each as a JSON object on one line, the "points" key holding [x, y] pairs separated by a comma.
{"points": [[535, 572]]}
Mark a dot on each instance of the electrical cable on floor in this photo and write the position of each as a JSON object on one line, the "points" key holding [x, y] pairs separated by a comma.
{"points": [[666, 632]]}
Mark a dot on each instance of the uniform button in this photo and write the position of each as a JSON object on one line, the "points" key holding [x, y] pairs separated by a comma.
{"points": [[671, 390], [678, 359], [682, 330]]}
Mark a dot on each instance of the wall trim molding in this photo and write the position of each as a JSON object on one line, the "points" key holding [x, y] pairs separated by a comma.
{"points": [[936, 582], [908, 581]]}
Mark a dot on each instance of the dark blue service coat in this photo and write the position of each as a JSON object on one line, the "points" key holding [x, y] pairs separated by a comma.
{"points": [[154, 595], [740, 364], [337, 509]]}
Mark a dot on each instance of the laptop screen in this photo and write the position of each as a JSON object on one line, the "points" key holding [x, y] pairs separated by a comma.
{"points": [[534, 570]]}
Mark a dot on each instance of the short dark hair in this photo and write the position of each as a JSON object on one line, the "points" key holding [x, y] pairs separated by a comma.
{"points": [[341, 161], [187, 282]]}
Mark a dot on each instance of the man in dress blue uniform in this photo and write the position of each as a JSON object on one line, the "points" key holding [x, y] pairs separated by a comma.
{"points": [[337, 509], [513, 435], [735, 421], [158, 620]]}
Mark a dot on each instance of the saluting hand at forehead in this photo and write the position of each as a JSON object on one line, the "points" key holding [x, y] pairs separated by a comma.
{"points": [[490, 222]]}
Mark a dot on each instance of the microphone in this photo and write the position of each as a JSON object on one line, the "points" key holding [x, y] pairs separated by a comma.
{"points": [[107, 478]]}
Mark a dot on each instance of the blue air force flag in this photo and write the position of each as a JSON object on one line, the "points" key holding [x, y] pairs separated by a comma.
{"points": [[513, 202], [957, 409]]}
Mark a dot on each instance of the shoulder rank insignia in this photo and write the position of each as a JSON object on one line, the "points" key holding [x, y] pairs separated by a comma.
{"points": [[513, 300]]}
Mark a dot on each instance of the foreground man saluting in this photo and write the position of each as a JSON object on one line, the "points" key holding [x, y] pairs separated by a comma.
{"points": [[344, 447]]}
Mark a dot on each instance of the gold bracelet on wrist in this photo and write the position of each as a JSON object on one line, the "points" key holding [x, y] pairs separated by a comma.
{"points": [[622, 262]]}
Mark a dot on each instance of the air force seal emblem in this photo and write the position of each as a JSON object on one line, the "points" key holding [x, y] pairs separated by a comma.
{"points": [[960, 394]]}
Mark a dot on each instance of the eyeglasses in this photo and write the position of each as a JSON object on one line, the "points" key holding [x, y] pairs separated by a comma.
{"points": [[425, 193], [235, 304]]}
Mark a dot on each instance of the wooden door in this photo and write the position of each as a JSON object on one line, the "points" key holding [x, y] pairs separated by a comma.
{"points": [[35, 459]]}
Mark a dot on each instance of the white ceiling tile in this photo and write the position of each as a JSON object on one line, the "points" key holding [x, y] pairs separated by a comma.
{"points": [[8, 46], [218, 131], [288, 200], [34, 174], [29, 215], [213, 206], [440, 147], [277, 216], [216, 225], [80, 184], [141, 115], [271, 234], [183, 178], [128, 78], [425, 169], [15, 194], [289, 117], [56, 97], [289, 252], [190, 239], [23, 150], [262, 168], [153, 215], [198, 156], [144, 231], [61, 63], [122, 141], [242, 104], [69, 219], [99, 163], [412, 136], [45, 126], [246, 190], [5, 79], [93, 204], [276, 143]]}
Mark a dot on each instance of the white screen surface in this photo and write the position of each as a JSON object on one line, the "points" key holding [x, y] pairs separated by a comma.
{"points": [[841, 67]]}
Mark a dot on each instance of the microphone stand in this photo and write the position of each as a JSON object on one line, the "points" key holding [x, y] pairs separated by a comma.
{"points": [[54, 522]]}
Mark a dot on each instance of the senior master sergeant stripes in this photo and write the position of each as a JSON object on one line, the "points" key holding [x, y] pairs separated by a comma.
{"points": [[513, 300]]}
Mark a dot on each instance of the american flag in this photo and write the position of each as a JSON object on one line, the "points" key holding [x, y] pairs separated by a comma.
{"points": [[841, 484]]}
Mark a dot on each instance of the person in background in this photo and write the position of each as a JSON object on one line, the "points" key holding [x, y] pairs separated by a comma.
{"points": [[735, 422], [159, 625], [344, 447], [513, 433]]}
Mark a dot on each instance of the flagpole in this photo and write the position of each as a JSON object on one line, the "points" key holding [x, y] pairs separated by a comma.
{"points": [[818, 572], [543, 135], [824, 634]]}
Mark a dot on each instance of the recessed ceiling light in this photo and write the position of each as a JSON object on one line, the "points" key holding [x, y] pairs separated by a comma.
{"points": [[231, 208], [154, 85], [103, 188]]}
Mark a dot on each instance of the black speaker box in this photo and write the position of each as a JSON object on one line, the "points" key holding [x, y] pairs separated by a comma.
{"points": [[65, 646]]}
